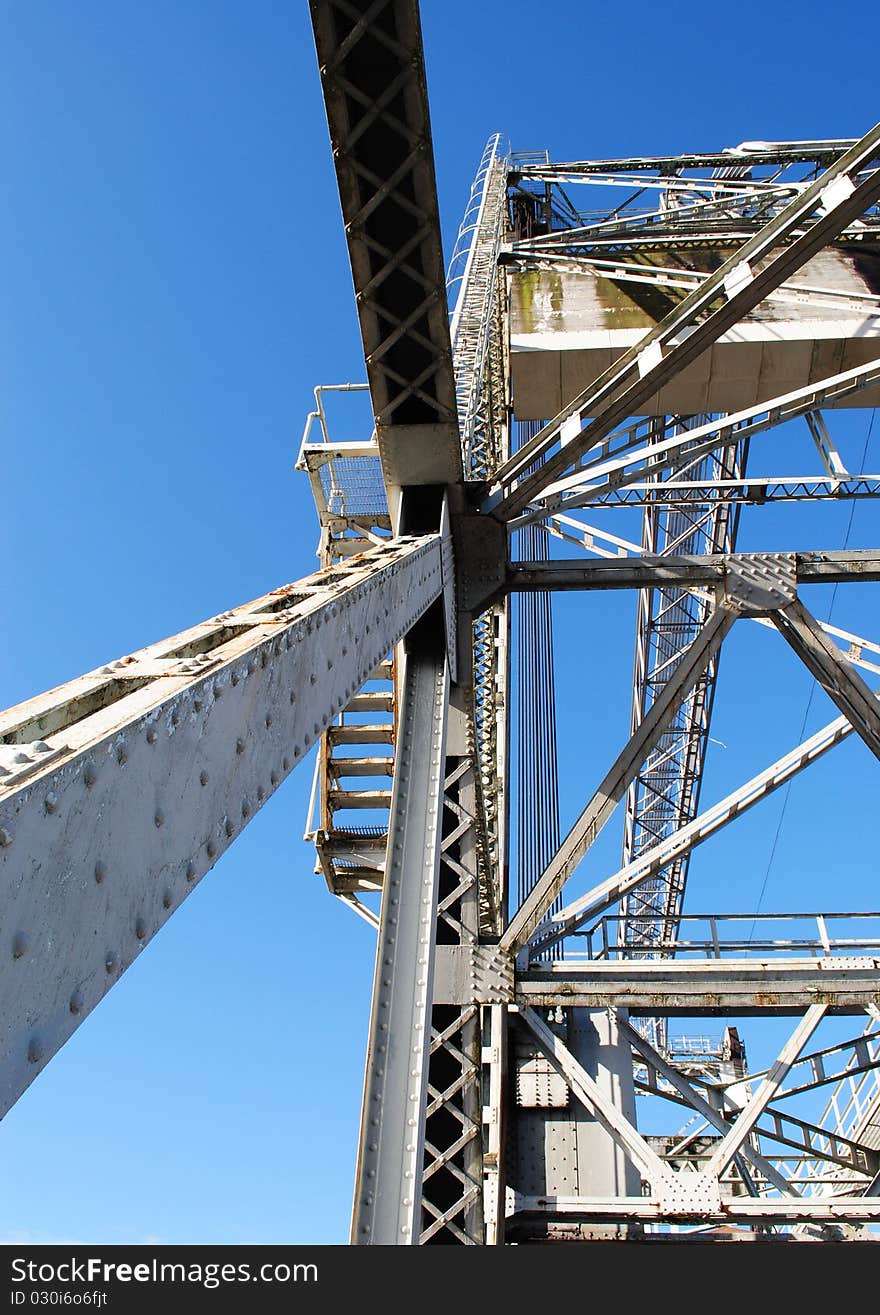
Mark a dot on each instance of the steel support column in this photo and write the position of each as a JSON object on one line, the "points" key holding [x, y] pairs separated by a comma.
{"points": [[387, 1192]]}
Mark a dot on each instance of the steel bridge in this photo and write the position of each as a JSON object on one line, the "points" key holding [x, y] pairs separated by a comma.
{"points": [[608, 334]]}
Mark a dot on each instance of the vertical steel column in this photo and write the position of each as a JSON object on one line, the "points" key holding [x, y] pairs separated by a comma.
{"points": [[387, 1207]]}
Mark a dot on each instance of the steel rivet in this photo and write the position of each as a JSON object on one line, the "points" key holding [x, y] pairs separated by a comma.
{"points": [[19, 944], [230, 829], [239, 746], [286, 764], [203, 777], [51, 802], [76, 1003], [190, 871], [140, 929], [151, 735], [273, 777], [159, 819], [100, 871], [211, 848], [90, 775], [35, 1050], [110, 961], [167, 900]]}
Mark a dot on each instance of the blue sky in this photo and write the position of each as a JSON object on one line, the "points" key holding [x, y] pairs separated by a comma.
{"points": [[174, 283]]}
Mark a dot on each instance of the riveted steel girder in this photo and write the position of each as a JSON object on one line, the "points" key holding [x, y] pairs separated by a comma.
{"points": [[387, 1208], [649, 987], [373, 77], [684, 572], [136, 778], [738, 285]]}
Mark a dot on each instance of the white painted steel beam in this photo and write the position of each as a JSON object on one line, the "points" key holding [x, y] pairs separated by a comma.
{"points": [[758, 1102], [590, 1094], [712, 987], [752, 491], [696, 1101], [120, 790], [841, 194], [633, 454], [388, 1196], [597, 812], [734, 1209], [651, 861], [831, 669], [685, 571]]}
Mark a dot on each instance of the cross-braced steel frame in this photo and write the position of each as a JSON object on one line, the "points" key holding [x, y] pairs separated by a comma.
{"points": [[509, 1037]]}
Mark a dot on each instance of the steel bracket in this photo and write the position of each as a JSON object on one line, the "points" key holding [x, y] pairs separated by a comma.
{"points": [[472, 974], [481, 555], [755, 583], [689, 1193]]}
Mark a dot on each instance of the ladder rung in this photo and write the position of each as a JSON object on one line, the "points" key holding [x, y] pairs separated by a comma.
{"points": [[367, 852], [380, 734], [371, 701], [359, 799], [349, 881], [360, 766]]}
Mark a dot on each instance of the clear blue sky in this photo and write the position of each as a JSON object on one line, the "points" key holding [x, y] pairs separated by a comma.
{"points": [[174, 282]]}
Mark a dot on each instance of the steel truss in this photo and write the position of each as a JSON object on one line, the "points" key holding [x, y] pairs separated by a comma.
{"points": [[665, 795], [499, 1100]]}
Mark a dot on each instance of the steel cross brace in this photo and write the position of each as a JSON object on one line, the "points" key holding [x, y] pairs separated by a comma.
{"points": [[597, 812], [653, 860], [737, 1134], [595, 1100], [615, 463], [831, 670], [738, 285], [693, 1098]]}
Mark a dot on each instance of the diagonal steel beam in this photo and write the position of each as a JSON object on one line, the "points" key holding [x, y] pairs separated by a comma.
{"points": [[388, 1197], [616, 462], [734, 1139], [119, 791], [590, 1094], [834, 674], [735, 288], [373, 78], [699, 1103], [653, 860], [597, 812]]}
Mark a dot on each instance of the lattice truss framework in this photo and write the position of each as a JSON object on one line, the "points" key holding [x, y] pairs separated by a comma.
{"points": [[483, 1073]]}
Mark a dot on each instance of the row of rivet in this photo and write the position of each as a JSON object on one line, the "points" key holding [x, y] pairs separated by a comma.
{"points": [[90, 774]]}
